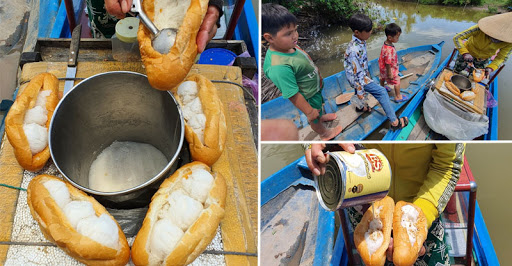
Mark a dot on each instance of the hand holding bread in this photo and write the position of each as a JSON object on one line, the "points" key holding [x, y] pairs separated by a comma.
{"points": [[205, 123], [77, 223], [372, 235], [166, 71], [28, 120], [409, 232], [182, 218]]}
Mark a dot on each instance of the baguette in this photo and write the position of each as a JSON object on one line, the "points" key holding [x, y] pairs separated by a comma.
{"points": [[409, 233], [372, 235], [478, 75], [77, 223], [453, 88], [28, 120], [448, 76], [468, 96], [166, 71], [205, 124], [183, 217]]}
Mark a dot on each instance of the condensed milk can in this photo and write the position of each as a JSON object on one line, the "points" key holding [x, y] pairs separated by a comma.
{"points": [[353, 179]]}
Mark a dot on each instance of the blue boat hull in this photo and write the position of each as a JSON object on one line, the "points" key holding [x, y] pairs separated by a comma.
{"points": [[337, 84], [417, 102], [331, 249]]}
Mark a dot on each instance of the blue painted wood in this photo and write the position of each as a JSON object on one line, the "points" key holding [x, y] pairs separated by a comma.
{"points": [[247, 29], [482, 243], [492, 113], [48, 10], [60, 27], [416, 102], [337, 84], [324, 237], [291, 175]]}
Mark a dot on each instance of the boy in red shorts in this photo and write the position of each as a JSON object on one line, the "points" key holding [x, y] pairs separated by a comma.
{"points": [[388, 62]]}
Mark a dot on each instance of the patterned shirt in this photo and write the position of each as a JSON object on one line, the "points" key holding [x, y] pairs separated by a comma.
{"points": [[388, 57], [356, 65]]}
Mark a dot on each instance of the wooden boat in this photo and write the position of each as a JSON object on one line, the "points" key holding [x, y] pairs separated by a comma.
{"points": [[421, 61], [296, 229], [419, 130]]}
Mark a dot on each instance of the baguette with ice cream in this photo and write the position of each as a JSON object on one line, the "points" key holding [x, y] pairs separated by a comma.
{"points": [[183, 217], [166, 71], [76, 223], [205, 123], [373, 233], [28, 120], [409, 232]]}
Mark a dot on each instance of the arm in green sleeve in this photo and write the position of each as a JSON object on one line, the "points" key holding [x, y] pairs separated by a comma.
{"points": [[443, 174], [464, 35], [501, 57]]}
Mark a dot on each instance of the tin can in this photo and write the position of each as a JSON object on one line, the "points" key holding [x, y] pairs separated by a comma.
{"points": [[353, 179]]}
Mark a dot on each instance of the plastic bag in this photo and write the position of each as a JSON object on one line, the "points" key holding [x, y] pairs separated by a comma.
{"points": [[447, 119], [253, 84]]}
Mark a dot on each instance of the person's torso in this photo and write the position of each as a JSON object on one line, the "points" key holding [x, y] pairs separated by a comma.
{"points": [[356, 54], [410, 164], [480, 45], [306, 73], [388, 54]]}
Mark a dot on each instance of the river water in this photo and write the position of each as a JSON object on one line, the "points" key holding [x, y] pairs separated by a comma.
{"points": [[421, 25], [489, 164]]}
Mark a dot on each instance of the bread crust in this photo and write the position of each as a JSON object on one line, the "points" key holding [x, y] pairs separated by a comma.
{"points": [[468, 96], [386, 217], [57, 228], [215, 128], [452, 87], [166, 71], [403, 252], [198, 235], [14, 120]]}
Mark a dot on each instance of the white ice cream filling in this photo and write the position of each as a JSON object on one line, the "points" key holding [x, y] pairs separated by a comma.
{"points": [[181, 210], [409, 220], [374, 236], [82, 217], [192, 108], [37, 137]]}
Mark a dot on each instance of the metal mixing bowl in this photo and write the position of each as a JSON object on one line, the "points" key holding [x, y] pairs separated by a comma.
{"points": [[113, 106], [461, 82]]}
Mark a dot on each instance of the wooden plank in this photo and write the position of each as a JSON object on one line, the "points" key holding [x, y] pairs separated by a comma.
{"points": [[420, 130], [12, 173], [345, 116], [238, 164]]}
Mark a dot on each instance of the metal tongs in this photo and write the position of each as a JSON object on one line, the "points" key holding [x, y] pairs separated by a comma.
{"points": [[162, 40]]}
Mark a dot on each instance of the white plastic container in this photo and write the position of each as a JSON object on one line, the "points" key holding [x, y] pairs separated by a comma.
{"points": [[125, 46]]}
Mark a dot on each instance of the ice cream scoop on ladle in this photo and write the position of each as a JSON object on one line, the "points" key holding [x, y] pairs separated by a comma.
{"points": [[162, 40]]}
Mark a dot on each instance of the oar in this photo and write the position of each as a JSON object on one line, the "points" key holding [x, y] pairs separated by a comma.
{"points": [[343, 98]]}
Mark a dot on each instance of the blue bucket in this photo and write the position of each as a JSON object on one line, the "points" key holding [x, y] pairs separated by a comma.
{"points": [[217, 56]]}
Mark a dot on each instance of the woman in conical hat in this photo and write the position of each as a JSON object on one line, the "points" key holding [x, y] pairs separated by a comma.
{"points": [[491, 34]]}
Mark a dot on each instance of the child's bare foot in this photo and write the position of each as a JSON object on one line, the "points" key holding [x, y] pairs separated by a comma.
{"points": [[330, 133], [328, 117], [401, 98]]}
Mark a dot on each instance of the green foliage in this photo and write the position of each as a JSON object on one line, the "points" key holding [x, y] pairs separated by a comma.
{"points": [[333, 11], [492, 9]]}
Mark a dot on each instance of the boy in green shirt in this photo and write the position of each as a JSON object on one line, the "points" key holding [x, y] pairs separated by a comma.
{"points": [[292, 70]]}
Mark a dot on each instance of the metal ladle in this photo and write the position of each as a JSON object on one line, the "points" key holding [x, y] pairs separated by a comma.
{"points": [[162, 40]]}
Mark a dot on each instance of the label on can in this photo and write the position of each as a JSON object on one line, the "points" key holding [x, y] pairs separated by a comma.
{"points": [[353, 179]]}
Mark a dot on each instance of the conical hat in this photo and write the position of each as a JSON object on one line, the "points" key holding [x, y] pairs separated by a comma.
{"points": [[498, 26]]}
